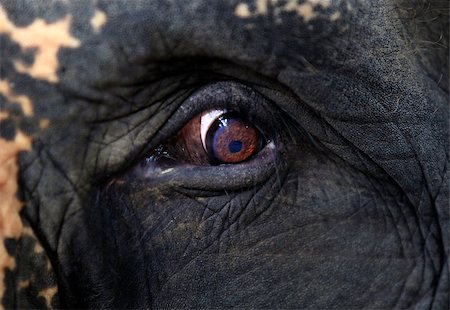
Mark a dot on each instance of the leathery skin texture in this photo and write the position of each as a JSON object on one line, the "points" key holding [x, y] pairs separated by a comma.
{"points": [[346, 204]]}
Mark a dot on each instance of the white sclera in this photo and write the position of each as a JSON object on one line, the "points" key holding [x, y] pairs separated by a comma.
{"points": [[206, 121]]}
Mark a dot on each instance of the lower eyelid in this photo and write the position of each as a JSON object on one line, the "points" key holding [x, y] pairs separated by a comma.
{"points": [[230, 177]]}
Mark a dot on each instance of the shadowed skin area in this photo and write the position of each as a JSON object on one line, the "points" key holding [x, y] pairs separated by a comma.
{"points": [[348, 209]]}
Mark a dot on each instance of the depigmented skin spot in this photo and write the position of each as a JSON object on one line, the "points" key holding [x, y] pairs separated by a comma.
{"points": [[43, 123], [98, 20], [335, 16], [10, 222], [26, 231], [38, 248], [242, 11], [45, 38], [23, 101], [48, 295], [37, 279], [261, 6], [23, 284], [11, 226], [305, 10]]}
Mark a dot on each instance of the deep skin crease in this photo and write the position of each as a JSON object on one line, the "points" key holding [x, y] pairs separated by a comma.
{"points": [[350, 212]]}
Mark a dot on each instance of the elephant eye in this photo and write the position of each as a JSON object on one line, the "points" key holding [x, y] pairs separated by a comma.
{"points": [[214, 137]]}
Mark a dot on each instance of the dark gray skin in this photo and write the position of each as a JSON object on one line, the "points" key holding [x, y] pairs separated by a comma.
{"points": [[349, 210]]}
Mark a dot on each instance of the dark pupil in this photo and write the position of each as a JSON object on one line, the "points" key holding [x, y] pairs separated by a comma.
{"points": [[235, 146]]}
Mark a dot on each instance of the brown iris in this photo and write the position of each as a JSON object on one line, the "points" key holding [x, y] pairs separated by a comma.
{"points": [[231, 140], [215, 137]]}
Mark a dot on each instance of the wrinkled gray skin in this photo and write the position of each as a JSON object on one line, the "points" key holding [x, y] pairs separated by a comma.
{"points": [[350, 210]]}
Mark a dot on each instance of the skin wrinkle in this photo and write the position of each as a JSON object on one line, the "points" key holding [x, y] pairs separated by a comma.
{"points": [[412, 156], [196, 231], [427, 230], [396, 218], [395, 225], [412, 277], [222, 231]]}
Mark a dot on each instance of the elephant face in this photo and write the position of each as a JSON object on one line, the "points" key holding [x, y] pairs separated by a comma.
{"points": [[211, 154]]}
